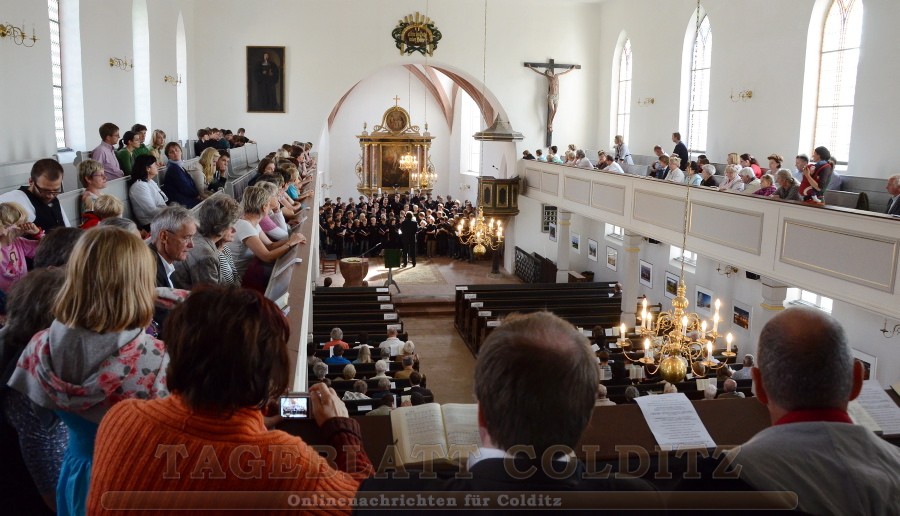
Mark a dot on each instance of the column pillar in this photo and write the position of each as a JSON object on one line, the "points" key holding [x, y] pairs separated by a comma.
{"points": [[563, 221], [628, 265]]}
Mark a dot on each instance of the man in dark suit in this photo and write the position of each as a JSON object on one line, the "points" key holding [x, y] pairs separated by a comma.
{"points": [[408, 229], [681, 150], [893, 188], [528, 417], [415, 380], [172, 235]]}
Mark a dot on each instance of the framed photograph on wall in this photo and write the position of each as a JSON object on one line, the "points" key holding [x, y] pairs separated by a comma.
{"points": [[575, 240], [671, 285], [742, 315], [646, 274], [265, 80], [703, 301], [552, 232], [611, 256], [592, 250]]}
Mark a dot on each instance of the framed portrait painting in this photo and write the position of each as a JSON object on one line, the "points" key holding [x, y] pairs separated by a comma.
{"points": [[265, 80]]}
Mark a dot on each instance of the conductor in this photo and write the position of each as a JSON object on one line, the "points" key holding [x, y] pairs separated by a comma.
{"points": [[408, 229]]}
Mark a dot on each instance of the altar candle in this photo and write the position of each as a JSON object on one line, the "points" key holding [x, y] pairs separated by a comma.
{"points": [[649, 321], [684, 325], [728, 339], [647, 352], [708, 351], [643, 318], [716, 323], [645, 304], [703, 328], [622, 329]]}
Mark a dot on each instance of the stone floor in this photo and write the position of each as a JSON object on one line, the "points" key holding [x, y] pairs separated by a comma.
{"points": [[425, 304]]}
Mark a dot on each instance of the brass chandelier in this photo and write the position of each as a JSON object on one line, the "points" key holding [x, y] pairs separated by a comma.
{"points": [[679, 339], [408, 162], [480, 234]]}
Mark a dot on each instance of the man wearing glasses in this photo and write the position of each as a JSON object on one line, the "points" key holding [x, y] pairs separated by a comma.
{"points": [[39, 197]]}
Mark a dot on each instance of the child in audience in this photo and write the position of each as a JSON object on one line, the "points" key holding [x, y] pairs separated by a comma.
{"points": [[14, 247], [105, 206], [93, 180]]}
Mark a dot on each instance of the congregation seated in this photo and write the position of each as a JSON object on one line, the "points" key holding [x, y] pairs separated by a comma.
{"points": [[41, 437], [217, 403], [104, 206], [171, 238], [358, 393], [177, 184], [733, 182], [56, 246], [730, 390], [750, 180], [364, 356], [209, 261], [337, 336], [39, 198], [384, 406], [788, 187], [602, 399], [404, 373], [18, 240], [744, 372], [393, 344], [416, 387], [707, 172], [766, 186], [144, 193], [93, 179], [251, 248], [338, 357], [381, 368], [89, 341]]}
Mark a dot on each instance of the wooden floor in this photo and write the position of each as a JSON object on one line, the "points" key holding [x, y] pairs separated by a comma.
{"points": [[425, 304]]}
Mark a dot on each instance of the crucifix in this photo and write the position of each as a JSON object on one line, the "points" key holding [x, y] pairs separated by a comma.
{"points": [[552, 89]]}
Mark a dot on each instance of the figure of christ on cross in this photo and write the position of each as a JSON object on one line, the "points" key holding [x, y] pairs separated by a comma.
{"points": [[552, 89]]}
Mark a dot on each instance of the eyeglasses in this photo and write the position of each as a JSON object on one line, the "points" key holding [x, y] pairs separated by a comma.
{"points": [[45, 191], [184, 240]]}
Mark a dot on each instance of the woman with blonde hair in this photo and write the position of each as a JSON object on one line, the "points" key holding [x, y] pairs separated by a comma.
{"points": [[364, 356], [157, 144], [623, 155], [204, 171], [93, 179], [733, 159], [251, 245], [95, 352], [409, 350]]}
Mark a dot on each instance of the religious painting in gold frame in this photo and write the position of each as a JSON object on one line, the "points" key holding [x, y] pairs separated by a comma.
{"points": [[379, 165]]}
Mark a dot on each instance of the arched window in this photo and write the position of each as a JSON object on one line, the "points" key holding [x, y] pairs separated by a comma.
{"points": [[623, 109], [141, 44], [837, 77], [470, 123], [698, 110], [56, 63]]}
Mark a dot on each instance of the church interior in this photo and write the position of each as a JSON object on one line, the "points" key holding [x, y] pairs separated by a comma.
{"points": [[763, 89]]}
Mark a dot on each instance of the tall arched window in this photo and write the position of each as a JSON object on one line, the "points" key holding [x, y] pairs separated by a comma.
{"points": [[837, 77], [56, 63], [698, 110], [623, 110]]}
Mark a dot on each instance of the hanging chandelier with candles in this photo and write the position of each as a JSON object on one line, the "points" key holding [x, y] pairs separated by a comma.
{"points": [[409, 162], [481, 235]]}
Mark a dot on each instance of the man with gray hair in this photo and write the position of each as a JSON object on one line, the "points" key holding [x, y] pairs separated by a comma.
{"points": [[813, 448], [744, 372], [730, 388], [392, 343], [337, 336], [172, 237], [581, 160]]}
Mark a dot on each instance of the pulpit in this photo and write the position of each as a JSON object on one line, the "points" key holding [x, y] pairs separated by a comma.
{"points": [[395, 155]]}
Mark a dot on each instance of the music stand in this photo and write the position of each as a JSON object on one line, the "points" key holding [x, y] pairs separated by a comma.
{"points": [[391, 260]]}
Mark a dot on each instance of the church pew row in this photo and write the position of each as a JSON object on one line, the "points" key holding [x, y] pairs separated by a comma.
{"points": [[582, 321], [368, 370], [484, 306], [353, 328], [465, 294]]}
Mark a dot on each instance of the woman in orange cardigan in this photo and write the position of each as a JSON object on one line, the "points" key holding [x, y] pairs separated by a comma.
{"points": [[206, 447]]}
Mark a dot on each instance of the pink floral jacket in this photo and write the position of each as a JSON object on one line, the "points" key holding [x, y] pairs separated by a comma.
{"points": [[86, 373]]}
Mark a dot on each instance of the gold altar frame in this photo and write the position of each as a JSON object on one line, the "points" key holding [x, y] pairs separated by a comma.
{"points": [[378, 166]]}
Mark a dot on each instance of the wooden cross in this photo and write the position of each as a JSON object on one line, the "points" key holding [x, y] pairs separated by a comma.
{"points": [[552, 89]]}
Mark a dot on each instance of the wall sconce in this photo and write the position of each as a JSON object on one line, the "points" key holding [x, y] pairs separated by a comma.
{"points": [[742, 96], [889, 334], [174, 81], [8, 30], [121, 64], [646, 101], [727, 271]]}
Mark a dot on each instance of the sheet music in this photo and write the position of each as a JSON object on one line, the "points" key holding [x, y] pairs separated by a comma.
{"points": [[880, 406], [461, 421], [421, 425], [674, 422]]}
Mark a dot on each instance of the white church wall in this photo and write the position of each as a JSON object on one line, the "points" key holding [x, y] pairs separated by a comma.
{"points": [[319, 74], [27, 99], [163, 15]]}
